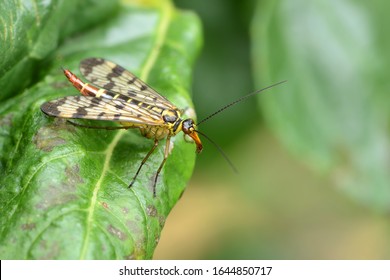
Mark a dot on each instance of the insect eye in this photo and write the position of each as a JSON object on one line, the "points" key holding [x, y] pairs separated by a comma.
{"points": [[188, 125]]}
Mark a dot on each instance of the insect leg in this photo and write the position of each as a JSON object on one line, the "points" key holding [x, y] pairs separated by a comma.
{"points": [[143, 162], [166, 153]]}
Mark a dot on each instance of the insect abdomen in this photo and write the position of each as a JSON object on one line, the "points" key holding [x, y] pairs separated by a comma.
{"points": [[154, 132], [87, 89]]}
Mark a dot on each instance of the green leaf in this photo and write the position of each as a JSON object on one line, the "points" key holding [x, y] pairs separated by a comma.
{"points": [[31, 30], [63, 189], [333, 112]]}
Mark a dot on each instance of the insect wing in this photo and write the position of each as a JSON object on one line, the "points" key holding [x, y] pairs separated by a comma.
{"points": [[93, 108], [115, 78]]}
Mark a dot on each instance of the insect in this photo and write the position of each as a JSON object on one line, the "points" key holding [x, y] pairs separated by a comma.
{"points": [[115, 94]]}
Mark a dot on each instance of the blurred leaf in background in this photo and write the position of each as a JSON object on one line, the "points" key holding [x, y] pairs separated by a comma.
{"points": [[223, 71], [332, 113], [63, 189], [330, 117]]}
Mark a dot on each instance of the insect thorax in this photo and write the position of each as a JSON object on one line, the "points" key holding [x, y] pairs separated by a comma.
{"points": [[172, 125]]}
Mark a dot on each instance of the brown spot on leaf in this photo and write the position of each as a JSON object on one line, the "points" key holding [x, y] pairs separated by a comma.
{"points": [[105, 205], [60, 194], [49, 251], [6, 120], [139, 250], [73, 176], [54, 198], [161, 220], [116, 232], [28, 226], [62, 84], [151, 211], [129, 257], [47, 138]]}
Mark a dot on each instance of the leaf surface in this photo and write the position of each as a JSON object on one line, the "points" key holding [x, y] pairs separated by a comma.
{"points": [[32, 30], [64, 189]]}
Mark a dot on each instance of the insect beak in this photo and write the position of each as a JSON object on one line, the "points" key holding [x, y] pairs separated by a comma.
{"points": [[195, 136]]}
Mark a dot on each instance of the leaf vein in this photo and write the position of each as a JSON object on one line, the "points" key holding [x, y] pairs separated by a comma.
{"points": [[30, 179], [45, 228], [162, 30], [94, 199]]}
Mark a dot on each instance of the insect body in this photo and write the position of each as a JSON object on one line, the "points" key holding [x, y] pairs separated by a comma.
{"points": [[125, 99]]}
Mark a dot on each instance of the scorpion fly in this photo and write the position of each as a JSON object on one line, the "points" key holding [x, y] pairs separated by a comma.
{"points": [[115, 94]]}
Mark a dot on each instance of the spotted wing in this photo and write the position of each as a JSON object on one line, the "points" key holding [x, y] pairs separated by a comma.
{"points": [[115, 78], [93, 108]]}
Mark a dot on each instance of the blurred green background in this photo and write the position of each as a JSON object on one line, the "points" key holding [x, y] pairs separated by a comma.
{"points": [[313, 154]]}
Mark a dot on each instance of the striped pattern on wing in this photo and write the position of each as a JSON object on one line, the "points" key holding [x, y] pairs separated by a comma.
{"points": [[115, 78], [93, 108]]}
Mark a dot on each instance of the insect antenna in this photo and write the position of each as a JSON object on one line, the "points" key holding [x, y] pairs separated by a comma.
{"points": [[220, 150], [224, 108], [239, 100]]}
